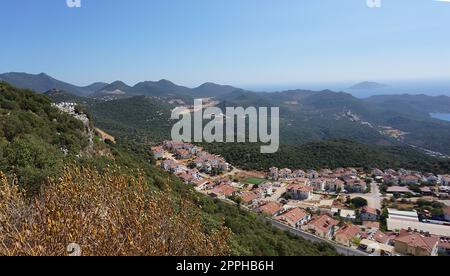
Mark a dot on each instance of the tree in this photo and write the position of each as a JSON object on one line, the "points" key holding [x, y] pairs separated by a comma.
{"points": [[358, 202]]}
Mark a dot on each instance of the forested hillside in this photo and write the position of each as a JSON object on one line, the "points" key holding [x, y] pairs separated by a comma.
{"points": [[80, 197], [329, 154]]}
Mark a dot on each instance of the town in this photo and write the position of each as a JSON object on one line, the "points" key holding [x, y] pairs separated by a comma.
{"points": [[380, 213]]}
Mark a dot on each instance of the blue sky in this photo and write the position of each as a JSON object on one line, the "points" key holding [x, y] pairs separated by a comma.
{"points": [[239, 42]]}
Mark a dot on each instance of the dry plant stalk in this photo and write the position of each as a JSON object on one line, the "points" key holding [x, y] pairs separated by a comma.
{"points": [[109, 214]]}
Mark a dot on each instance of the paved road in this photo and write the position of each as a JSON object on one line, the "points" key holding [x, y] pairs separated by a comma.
{"points": [[374, 198], [308, 236]]}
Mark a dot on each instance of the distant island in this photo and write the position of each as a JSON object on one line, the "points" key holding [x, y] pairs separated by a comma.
{"points": [[368, 85]]}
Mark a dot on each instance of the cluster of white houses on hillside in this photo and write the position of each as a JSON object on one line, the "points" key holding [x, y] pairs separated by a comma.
{"points": [[408, 177], [313, 201], [201, 160], [332, 181]]}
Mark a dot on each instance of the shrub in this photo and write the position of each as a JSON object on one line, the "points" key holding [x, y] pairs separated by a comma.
{"points": [[105, 214]]}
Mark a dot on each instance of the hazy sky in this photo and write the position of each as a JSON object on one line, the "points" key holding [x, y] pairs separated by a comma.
{"points": [[240, 42]]}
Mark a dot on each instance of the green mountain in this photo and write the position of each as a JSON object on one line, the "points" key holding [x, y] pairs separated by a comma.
{"points": [[329, 154], [306, 116], [42, 83], [35, 137], [138, 118], [37, 141], [210, 89]]}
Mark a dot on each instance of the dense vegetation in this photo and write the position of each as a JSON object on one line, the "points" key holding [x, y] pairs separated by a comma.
{"points": [[105, 214], [328, 154], [139, 118], [32, 134], [87, 200]]}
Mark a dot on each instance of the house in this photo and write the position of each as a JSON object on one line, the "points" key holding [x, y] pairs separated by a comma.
{"points": [[224, 190], [185, 177], [426, 191], [325, 172], [300, 192], [285, 173], [381, 237], [445, 180], [158, 152], [371, 225], [299, 174], [347, 234], [356, 186], [334, 185], [432, 179], [318, 184], [295, 217], [169, 165], [323, 226], [377, 172], [447, 213], [391, 179], [369, 214], [416, 244], [271, 209], [274, 173], [249, 198], [347, 214], [398, 190], [182, 154], [200, 184], [300, 181], [444, 246], [312, 174], [409, 180]]}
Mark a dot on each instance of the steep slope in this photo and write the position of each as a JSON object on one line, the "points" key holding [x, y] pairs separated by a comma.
{"points": [[35, 137], [140, 118]]}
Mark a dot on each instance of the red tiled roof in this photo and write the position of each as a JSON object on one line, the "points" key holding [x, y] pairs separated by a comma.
{"points": [[301, 188], [349, 231], [224, 189], [293, 215], [371, 224], [398, 189], [417, 240], [323, 223], [270, 208], [249, 197], [369, 210], [381, 237]]}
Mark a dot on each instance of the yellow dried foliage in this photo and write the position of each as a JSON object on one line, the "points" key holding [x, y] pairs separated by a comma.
{"points": [[106, 215]]}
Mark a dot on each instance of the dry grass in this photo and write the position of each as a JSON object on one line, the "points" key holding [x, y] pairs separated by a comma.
{"points": [[108, 214]]}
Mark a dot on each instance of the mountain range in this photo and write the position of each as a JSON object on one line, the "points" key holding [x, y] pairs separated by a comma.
{"points": [[42, 83], [306, 116]]}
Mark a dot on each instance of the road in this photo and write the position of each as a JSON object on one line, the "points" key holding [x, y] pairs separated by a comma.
{"points": [[374, 198], [347, 251]]}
